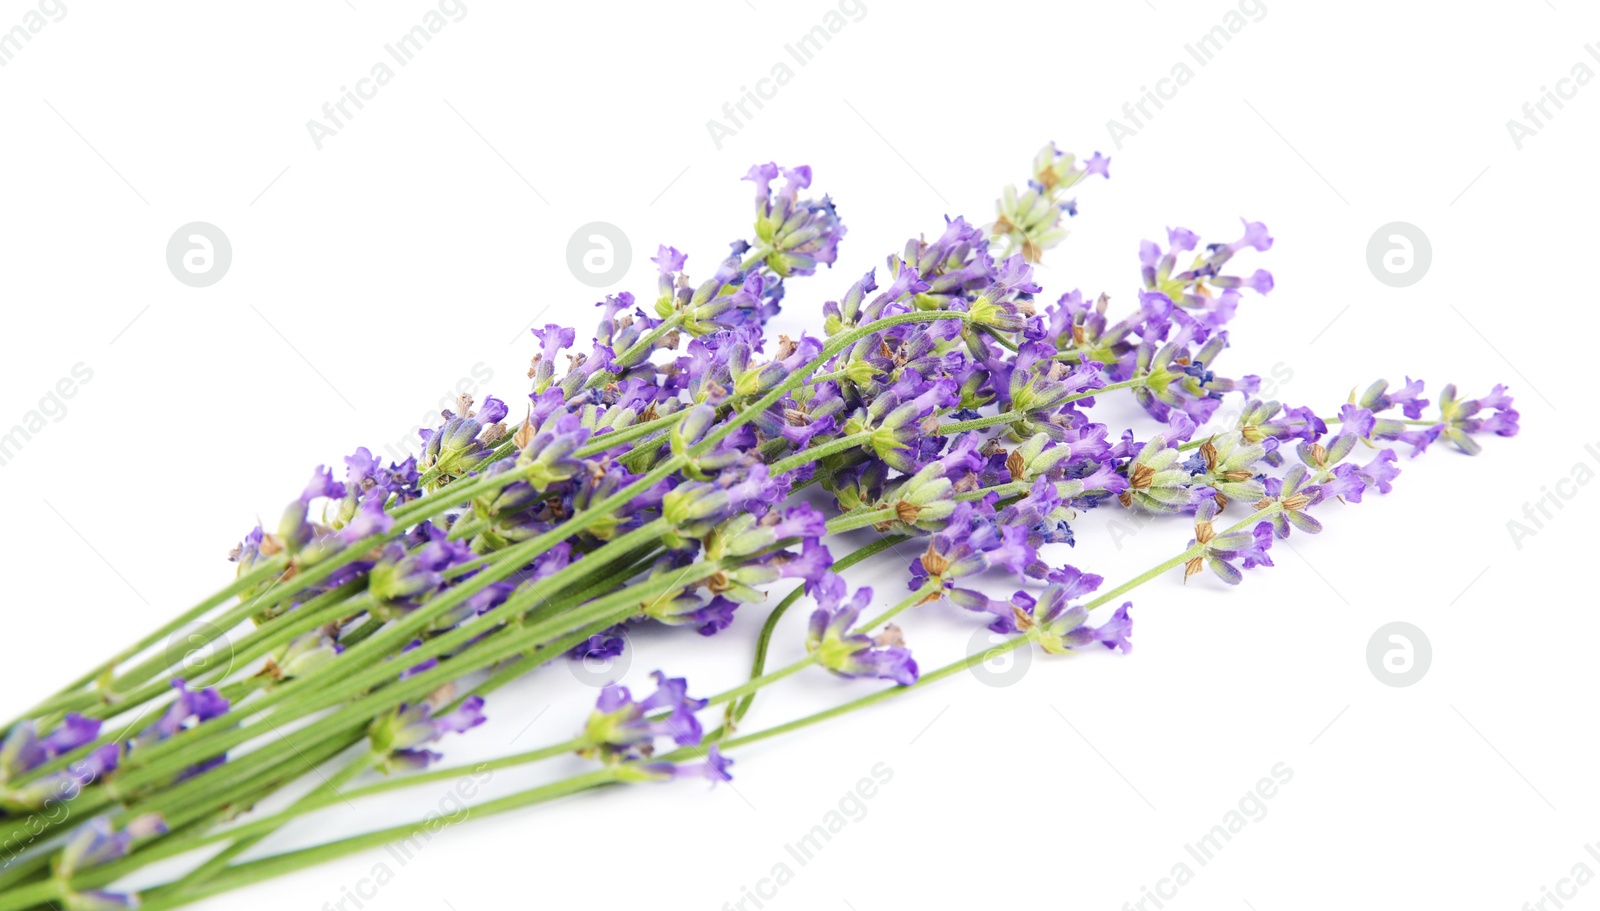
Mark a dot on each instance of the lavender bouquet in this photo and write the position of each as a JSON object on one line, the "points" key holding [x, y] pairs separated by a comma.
{"points": [[682, 470]]}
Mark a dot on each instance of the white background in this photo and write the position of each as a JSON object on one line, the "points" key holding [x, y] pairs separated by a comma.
{"points": [[418, 244]]}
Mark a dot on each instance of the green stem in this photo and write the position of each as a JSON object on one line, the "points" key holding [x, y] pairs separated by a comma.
{"points": [[1168, 565], [1007, 417], [822, 451], [647, 341], [242, 584], [33, 895], [882, 695], [256, 871], [993, 420], [1197, 443], [329, 788], [999, 337], [325, 690]]}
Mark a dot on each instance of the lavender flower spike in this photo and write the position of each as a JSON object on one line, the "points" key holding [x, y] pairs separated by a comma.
{"points": [[621, 728], [96, 843], [398, 735], [835, 648], [1060, 626]]}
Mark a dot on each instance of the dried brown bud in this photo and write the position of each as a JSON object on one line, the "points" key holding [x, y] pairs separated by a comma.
{"points": [[1204, 532], [934, 562], [1208, 451], [891, 637], [1016, 465], [907, 512], [1140, 477], [525, 433], [1191, 567]]}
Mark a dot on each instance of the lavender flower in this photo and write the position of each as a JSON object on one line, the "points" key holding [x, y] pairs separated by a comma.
{"points": [[304, 655], [1030, 220], [295, 530], [397, 737], [713, 768], [799, 234], [410, 570], [1460, 419], [969, 545], [463, 442], [1218, 551], [621, 727], [1202, 286], [96, 843], [834, 647], [1294, 495], [23, 750], [1157, 481], [1060, 627], [1226, 466]]}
